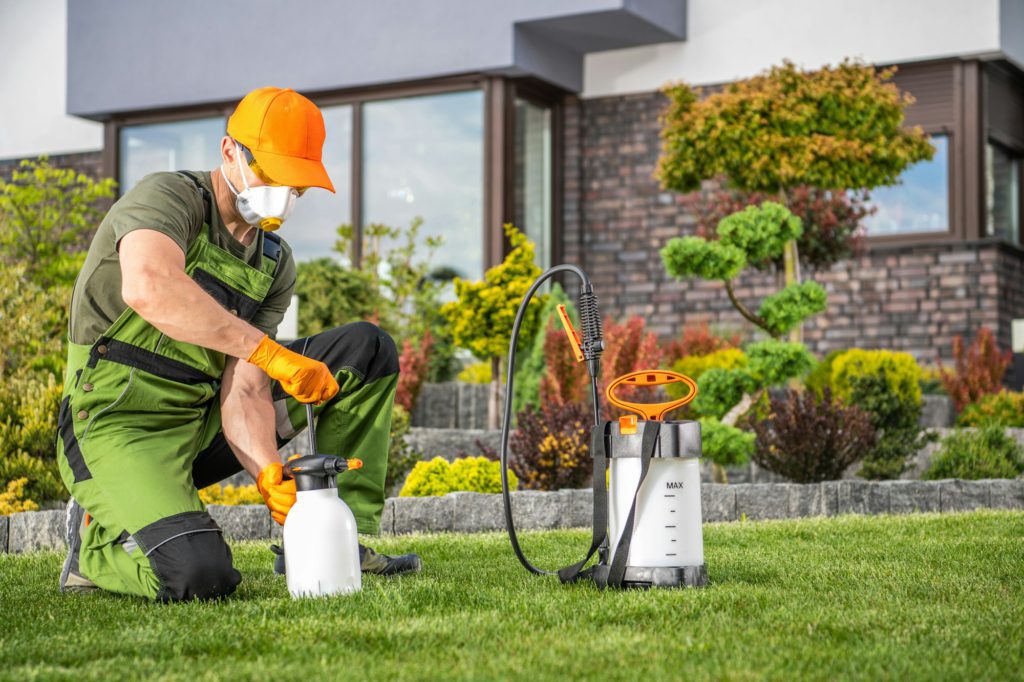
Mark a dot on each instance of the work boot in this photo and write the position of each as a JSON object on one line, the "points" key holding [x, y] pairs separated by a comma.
{"points": [[70, 579], [369, 562]]}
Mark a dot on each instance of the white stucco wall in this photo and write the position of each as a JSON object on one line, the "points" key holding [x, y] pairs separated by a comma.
{"points": [[33, 75], [731, 39]]}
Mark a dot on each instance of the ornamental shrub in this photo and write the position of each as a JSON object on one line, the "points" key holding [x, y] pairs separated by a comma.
{"points": [[13, 500], [725, 445], [719, 390], [544, 354], [1003, 409], [414, 362], [988, 453], [809, 438], [475, 373], [832, 220], [231, 494], [887, 385], [629, 347], [698, 340], [470, 474], [694, 366], [978, 369]]}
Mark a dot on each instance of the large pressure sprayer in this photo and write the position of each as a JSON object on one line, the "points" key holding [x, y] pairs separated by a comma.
{"points": [[647, 518]]}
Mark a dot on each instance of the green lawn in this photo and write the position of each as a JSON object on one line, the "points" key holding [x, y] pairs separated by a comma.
{"points": [[923, 597]]}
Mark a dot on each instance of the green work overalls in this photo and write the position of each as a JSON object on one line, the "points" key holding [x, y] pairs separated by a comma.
{"points": [[139, 406]]}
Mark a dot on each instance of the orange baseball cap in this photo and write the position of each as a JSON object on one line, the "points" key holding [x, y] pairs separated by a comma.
{"points": [[285, 133]]}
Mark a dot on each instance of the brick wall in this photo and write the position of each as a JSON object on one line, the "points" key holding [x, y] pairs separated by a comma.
{"points": [[90, 163], [617, 218]]}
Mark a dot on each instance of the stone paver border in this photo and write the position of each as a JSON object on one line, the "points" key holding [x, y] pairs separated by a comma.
{"points": [[477, 512]]}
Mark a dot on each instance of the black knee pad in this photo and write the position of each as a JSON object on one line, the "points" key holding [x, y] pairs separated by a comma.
{"points": [[189, 556]]}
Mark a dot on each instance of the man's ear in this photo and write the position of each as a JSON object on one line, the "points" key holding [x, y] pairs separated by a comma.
{"points": [[228, 150]]}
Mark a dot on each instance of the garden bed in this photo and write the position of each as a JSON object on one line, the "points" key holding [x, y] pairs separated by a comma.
{"points": [[923, 597]]}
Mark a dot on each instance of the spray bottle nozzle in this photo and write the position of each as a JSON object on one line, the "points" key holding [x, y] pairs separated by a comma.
{"points": [[316, 472]]}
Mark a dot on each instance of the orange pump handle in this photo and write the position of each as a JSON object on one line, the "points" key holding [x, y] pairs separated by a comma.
{"points": [[574, 337], [651, 377]]}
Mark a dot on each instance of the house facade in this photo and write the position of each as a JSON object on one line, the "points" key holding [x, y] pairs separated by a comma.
{"points": [[471, 114]]}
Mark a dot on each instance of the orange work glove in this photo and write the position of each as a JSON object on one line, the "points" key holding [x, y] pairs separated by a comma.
{"points": [[278, 492], [308, 380]]}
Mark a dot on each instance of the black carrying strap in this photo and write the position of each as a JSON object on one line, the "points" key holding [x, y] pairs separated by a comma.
{"points": [[617, 571], [598, 446]]}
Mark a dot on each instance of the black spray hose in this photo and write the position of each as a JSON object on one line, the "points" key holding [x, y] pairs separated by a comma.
{"points": [[592, 345]]}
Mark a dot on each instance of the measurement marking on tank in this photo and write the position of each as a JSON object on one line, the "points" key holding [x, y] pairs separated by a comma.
{"points": [[670, 526], [670, 554], [669, 495], [671, 511], [672, 540]]}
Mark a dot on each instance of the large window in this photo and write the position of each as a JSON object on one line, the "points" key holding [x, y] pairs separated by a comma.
{"points": [[1002, 193], [423, 158], [532, 179], [182, 145], [920, 203]]}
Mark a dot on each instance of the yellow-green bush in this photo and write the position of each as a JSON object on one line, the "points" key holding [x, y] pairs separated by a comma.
{"points": [[694, 366], [470, 474], [13, 499], [29, 402], [231, 494], [901, 372], [476, 373], [1005, 409]]}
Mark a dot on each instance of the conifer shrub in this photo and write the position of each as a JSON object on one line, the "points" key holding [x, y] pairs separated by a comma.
{"points": [[987, 453]]}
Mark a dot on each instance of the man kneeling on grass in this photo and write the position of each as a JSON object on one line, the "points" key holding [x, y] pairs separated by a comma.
{"points": [[174, 381]]}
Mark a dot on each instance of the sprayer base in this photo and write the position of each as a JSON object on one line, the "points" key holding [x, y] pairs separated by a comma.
{"points": [[675, 576]]}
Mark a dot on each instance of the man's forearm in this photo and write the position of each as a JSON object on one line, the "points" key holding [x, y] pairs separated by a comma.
{"points": [[177, 306], [248, 419]]}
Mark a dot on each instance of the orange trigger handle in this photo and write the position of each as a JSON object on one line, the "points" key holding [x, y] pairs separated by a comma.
{"points": [[651, 377], [574, 337]]}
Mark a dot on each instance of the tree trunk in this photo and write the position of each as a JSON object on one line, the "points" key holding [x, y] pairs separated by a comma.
{"points": [[494, 399], [791, 258]]}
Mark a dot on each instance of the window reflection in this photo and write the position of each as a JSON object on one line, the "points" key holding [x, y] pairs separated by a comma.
{"points": [[423, 156], [312, 228], [182, 145], [532, 189], [920, 203], [1002, 200]]}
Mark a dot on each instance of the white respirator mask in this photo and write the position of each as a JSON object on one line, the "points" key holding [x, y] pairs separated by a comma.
{"points": [[265, 207]]}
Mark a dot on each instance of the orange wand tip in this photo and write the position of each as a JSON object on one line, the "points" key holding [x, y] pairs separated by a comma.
{"points": [[355, 464]]}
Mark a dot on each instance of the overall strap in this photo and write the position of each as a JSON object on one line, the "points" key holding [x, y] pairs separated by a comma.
{"points": [[272, 248]]}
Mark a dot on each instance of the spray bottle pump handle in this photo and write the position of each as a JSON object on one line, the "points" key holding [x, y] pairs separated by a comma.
{"points": [[651, 377]]}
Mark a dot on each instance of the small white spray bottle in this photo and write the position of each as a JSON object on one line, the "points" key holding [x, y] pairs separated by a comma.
{"points": [[321, 543]]}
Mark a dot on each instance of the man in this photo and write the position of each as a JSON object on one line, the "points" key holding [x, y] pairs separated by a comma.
{"points": [[175, 382]]}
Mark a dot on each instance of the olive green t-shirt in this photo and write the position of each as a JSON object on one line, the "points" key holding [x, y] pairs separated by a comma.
{"points": [[168, 203]]}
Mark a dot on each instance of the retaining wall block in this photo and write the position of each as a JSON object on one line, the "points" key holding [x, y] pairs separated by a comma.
{"points": [[539, 510], [807, 499], [862, 497], [387, 516], [477, 512], [38, 530], [909, 497], [762, 501], [577, 508], [424, 514], [957, 495], [1006, 493], [3, 533], [718, 502], [242, 522], [830, 497]]}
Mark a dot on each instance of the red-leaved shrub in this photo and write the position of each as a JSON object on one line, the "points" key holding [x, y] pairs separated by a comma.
{"points": [[698, 340], [809, 439], [565, 380], [978, 369], [628, 347], [415, 364]]}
